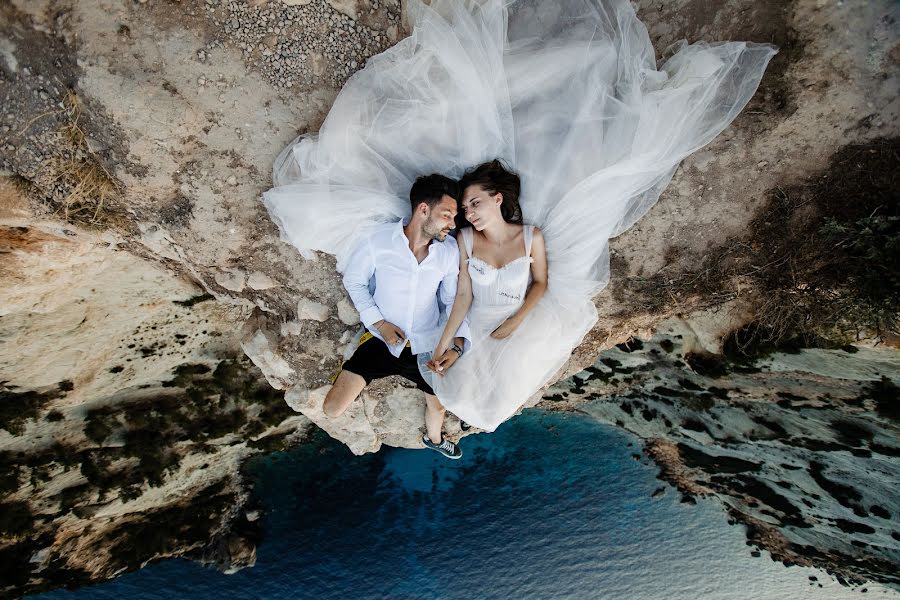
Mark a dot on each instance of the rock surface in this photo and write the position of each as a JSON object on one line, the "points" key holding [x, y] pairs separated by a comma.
{"points": [[170, 145], [125, 408]]}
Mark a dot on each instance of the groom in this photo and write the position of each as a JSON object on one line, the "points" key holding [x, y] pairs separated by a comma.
{"points": [[413, 263]]}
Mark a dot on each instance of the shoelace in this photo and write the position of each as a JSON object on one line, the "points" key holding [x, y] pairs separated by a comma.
{"points": [[447, 445]]}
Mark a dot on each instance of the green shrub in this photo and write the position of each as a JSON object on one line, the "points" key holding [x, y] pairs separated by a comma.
{"points": [[18, 407], [97, 429], [54, 416], [9, 473], [15, 518]]}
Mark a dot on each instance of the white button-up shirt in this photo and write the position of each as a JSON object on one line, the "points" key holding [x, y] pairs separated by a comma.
{"points": [[406, 292]]}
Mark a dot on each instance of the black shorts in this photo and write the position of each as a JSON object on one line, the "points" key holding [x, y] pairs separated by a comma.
{"points": [[373, 360]]}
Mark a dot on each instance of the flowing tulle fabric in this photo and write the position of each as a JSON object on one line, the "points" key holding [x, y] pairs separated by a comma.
{"points": [[568, 93]]}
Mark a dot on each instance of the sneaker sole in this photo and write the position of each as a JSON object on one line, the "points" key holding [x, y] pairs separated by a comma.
{"points": [[445, 455]]}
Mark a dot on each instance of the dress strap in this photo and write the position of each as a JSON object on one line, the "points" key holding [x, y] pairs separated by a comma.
{"points": [[466, 233], [528, 234]]}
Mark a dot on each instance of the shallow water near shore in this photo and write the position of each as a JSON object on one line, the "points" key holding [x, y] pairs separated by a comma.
{"points": [[549, 506]]}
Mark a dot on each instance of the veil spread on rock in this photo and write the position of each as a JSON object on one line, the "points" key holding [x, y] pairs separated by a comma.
{"points": [[566, 92]]}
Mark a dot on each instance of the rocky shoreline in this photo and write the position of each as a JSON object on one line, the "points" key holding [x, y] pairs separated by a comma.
{"points": [[806, 461], [150, 478]]}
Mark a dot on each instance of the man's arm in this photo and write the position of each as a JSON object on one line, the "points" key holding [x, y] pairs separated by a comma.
{"points": [[359, 271]]}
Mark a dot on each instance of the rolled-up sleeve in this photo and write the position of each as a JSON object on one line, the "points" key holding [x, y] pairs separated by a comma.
{"points": [[447, 294], [360, 269]]}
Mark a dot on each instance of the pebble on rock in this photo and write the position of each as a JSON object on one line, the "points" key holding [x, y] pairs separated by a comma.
{"points": [[310, 310]]}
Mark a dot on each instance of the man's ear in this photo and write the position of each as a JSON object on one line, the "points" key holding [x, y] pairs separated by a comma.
{"points": [[499, 198], [422, 209]]}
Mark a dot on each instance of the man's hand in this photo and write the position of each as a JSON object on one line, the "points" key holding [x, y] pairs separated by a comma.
{"points": [[442, 363], [505, 329], [391, 334]]}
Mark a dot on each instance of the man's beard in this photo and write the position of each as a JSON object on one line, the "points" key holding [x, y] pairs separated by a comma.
{"points": [[432, 231]]}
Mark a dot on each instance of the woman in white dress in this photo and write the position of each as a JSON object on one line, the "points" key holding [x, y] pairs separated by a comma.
{"points": [[565, 92], [502, 278]]}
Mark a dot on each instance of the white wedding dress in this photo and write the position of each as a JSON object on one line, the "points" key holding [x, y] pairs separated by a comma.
{"points": [[494, 377], [568, 93]]}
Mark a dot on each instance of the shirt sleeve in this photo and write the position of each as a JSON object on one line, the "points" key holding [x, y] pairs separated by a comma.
{"points": [[360, 269], [447, 293]]}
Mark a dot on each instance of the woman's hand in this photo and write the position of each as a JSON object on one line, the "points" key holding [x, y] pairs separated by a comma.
{"points": [[506, 328], [442, 362]]}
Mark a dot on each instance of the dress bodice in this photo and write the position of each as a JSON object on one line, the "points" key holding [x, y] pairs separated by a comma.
{"points": [[499, 286]]}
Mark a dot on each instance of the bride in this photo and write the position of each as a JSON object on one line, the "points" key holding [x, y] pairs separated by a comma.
{"points": [[565, 92], [503, 270]]}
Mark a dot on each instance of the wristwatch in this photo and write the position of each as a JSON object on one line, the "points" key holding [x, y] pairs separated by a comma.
{"points": [[457, 348]]}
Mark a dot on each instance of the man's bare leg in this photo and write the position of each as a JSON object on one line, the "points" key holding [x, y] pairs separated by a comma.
{"points": [[434, 418], [346, 388]]}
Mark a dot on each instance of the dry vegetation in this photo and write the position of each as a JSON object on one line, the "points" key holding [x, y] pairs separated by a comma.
{"points": [[88, 184], [820, 259]]}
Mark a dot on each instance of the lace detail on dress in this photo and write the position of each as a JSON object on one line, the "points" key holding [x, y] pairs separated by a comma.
{"points": [[503, 287]]}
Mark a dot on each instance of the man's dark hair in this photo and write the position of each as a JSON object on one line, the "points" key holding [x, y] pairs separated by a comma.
{"points": [[494, 177], [431, 188]]}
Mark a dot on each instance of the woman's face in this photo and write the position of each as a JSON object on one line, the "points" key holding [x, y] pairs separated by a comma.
{"points": [[479, 207]]}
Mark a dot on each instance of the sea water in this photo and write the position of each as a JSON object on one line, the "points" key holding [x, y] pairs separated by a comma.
{"points": [[548, 506]]}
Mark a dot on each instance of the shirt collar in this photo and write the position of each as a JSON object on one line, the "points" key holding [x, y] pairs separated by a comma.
{"points": [[398, 230]]}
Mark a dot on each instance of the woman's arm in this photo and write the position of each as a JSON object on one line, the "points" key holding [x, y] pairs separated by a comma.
{"points": [[442, 356], [535, 292], [461, 303]]}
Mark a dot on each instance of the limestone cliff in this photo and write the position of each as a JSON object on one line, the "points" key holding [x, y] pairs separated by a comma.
{"points": [[137, 265], [126, 410]]}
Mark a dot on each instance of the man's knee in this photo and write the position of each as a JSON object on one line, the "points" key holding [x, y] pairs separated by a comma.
{"points": [[332, 405], [342, 394]]}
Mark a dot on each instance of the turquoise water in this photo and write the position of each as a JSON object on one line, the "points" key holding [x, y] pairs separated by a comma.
{"points": [[549, 506]]}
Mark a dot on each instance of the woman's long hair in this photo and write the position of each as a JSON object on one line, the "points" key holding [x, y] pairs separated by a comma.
{"points": [[494, 177]]}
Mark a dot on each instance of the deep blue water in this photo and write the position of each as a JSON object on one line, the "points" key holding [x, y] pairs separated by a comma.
{"points": [[549, 506]]}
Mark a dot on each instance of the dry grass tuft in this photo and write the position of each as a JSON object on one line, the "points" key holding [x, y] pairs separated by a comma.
{"points": [[88, 184]]}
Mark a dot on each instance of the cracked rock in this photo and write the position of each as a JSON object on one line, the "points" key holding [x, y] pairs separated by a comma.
{"points": [[231, 279]]}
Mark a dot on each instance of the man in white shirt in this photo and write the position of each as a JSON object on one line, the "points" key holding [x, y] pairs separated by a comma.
{"points": [[413, 263]]}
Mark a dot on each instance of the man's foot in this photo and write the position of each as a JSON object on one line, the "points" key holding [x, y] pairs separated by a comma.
{"points": [[446, 447]]}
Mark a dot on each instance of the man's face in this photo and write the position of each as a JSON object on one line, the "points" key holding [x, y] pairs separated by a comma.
{"points": [[440, 219]]}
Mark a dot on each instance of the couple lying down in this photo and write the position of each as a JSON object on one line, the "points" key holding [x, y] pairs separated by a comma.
{"points": [[566, 93], [489, 279]]}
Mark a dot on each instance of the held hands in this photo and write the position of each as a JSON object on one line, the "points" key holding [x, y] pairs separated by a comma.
{"points": [[391, 334], [506, 328], [443, 358], [443, 361]]}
